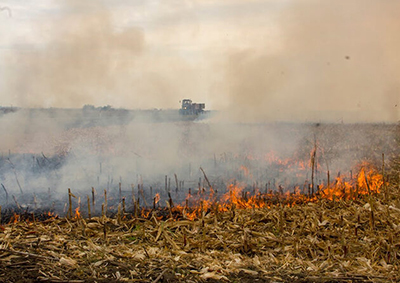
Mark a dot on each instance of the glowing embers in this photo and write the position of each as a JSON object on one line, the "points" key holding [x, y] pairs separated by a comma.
{"points": [[12, 216]]}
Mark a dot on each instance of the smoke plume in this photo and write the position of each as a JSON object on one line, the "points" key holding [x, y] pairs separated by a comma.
{"points": [[330, 61], [337, 62]]}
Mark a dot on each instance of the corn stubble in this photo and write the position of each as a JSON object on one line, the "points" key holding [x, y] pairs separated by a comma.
{"points": [[324, 240]]}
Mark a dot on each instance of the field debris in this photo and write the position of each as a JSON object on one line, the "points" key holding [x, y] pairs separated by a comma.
{"points": [[320, 241]]}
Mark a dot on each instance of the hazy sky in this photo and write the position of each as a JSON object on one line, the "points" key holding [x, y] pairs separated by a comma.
{"points": [[262, 60]]}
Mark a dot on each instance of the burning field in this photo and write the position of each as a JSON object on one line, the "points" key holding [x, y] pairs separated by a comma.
{"points": [[285, 166], [202, 202]]}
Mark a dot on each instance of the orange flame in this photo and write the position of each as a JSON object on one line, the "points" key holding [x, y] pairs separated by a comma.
{"points": [[157, 198], [367, 181], [77, 213], [365, 184]]}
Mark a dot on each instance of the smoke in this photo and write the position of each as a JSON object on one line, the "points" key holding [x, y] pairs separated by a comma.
{"points": [[85, 54], [6, 9], [333, 62], [81, 149], [84, 58], [257, 61], [336, 62]]}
